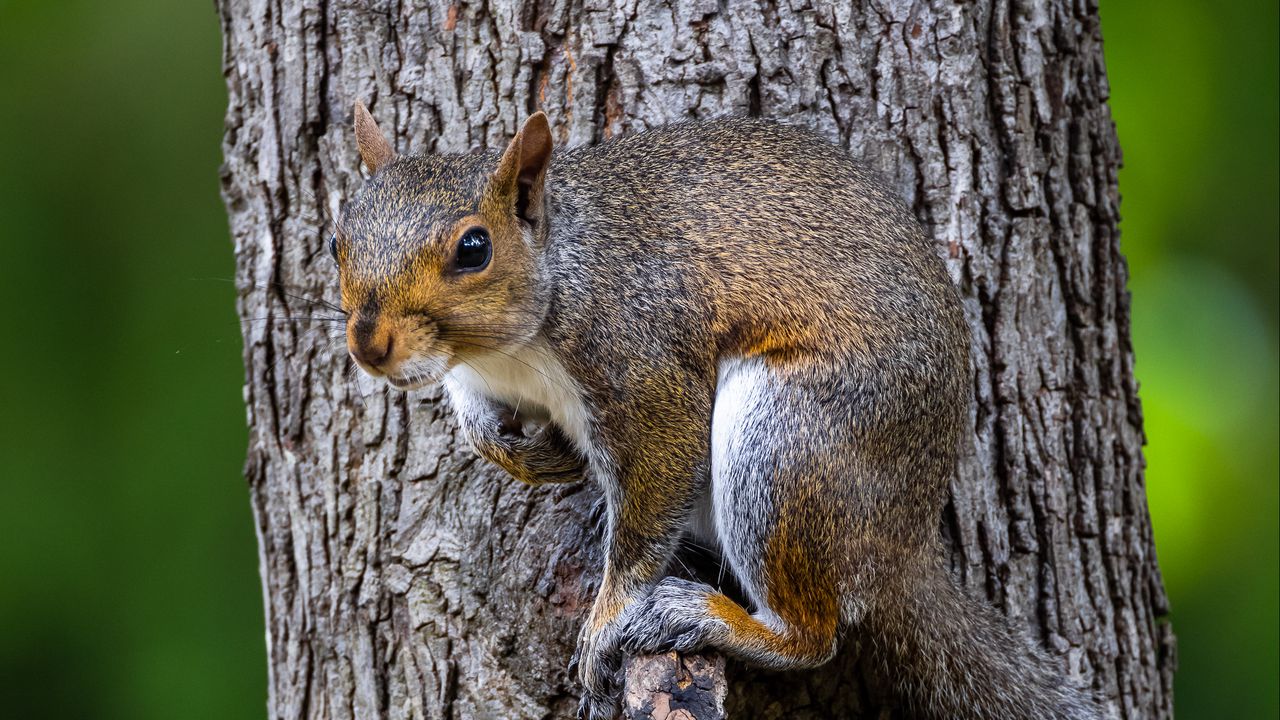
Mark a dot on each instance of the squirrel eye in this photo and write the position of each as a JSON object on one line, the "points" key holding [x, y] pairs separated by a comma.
{"points": [[474, 250], [333, 247]]}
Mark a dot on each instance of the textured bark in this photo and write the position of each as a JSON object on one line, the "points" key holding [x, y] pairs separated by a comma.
{"points": [[405, 578], [674, 687]]}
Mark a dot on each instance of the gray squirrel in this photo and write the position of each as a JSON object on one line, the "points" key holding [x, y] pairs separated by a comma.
{"points": [[743, 337]]}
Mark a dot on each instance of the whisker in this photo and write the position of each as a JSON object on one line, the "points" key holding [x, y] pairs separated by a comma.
{"points": [[686, 567], [329, 220], [479, 375], [314, 301], [293, 320], [286, 290]]}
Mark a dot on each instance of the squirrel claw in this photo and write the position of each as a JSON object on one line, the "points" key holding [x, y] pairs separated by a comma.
{"points": [[686, 642], [665, 646], [594, 708]]}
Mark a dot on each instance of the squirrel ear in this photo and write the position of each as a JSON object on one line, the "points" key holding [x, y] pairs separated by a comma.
{"points": [[525, 162], [374, 148]]}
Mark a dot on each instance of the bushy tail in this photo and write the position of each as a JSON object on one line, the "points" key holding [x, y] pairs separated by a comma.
{"points": [[952, 656]]}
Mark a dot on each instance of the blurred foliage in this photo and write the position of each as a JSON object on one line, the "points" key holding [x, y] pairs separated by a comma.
{"points": [[128, 562], [1194, 96], [128, 567]]}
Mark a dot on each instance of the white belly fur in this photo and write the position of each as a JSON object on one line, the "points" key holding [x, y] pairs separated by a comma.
{"points": [[530, 379], [741, 393]]}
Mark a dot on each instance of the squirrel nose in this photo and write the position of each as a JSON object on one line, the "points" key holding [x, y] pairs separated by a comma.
{"points": [[372, 352]]}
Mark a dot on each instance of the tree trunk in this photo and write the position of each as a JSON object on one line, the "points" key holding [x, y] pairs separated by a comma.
{"points": [[405, 578]]}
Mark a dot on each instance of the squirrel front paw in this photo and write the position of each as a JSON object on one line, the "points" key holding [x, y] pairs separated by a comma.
{"points": [[516, 427], [533, 450], [598, 661], [674, 616]]}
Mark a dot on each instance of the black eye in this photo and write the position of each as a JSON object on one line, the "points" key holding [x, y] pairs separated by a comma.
{"points": [[474, 250], [333, 247]]}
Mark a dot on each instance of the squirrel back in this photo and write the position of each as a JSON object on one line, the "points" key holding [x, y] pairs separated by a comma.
{"points": [[767, 225]]}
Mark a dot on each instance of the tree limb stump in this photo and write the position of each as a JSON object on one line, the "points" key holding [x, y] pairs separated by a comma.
{"points": [[674, 687]]}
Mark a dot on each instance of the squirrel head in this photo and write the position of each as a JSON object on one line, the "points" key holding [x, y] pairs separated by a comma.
{"points": [[438, 254]]}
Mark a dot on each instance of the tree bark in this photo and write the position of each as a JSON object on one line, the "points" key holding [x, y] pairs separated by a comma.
{"points": [[674, 687], [404, 578]]}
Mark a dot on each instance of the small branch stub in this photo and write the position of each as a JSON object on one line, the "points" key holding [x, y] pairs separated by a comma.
{"points": [[674, 687]]}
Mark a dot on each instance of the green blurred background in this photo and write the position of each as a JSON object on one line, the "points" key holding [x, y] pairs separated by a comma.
{"points": [[128, 569]]}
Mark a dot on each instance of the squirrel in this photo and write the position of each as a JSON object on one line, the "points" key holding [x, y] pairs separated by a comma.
{"points": [[744, 337]]}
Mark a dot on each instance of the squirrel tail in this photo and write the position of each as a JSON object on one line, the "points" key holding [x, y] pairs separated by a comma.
{"points": [[951, 656]]}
